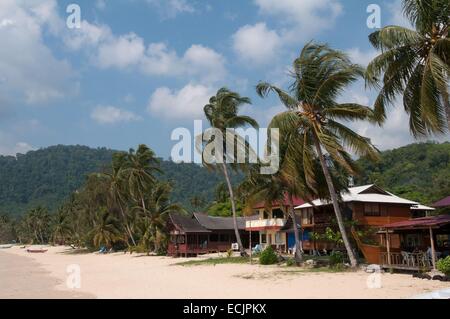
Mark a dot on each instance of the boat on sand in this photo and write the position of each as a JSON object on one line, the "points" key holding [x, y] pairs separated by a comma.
{"points": [[37, 251], [6, 246]]}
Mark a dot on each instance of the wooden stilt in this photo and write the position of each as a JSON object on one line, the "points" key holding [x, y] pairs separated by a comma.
{"points": [[433, 252]]}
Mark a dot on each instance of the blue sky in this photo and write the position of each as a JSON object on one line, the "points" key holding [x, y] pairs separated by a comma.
{"points": [[137, 69]]}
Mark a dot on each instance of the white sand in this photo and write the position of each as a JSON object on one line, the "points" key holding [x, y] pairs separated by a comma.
{"points": [[136, 276]]}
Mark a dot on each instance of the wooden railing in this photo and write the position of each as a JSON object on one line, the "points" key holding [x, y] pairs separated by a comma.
{"points": [[405, 260]]}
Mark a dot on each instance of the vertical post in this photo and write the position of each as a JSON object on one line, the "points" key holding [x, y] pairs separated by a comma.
{"points": [[388, 247], [250, 223], [433, 252]]}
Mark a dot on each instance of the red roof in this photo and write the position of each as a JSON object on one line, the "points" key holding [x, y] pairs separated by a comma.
{"points": [[297, 202], [423, 222], [442, 203]]}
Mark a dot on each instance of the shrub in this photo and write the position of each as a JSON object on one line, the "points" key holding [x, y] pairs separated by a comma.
{"points": [[336, 258], [290, 262], [443, 265], [229, 253], [268, 257]]}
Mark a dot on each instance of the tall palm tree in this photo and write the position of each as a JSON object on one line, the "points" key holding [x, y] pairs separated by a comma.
{"points": [[415, 64], [118, 196], [139, 171], [222, 113], [320, 75]]}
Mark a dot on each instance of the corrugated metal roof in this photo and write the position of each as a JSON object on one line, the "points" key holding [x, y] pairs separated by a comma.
{"points": [[362, 194], [442, 203], [423, 222], [221, 223], [422, 207], [187, 224]]}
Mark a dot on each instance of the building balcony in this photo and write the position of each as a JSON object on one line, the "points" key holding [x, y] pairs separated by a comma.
{"points": [[265, 224]]}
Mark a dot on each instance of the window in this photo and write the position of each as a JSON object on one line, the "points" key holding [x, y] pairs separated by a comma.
{"points": [[265, 215], [372, 209], [307, 216], [214, 238], [263, 238], [224, 238], [277, 213]]}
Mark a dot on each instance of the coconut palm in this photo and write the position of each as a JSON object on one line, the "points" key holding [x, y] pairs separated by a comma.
{"points": [[61, 226], [415, 64], [117, 193], [106, 230], [222, 113], [140, 167], [320, 75], [155, 213]]}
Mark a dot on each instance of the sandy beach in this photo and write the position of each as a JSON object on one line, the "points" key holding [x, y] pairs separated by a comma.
{"points": [[24, 275]]}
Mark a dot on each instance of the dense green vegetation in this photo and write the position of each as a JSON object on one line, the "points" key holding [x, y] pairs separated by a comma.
{"points": [[420, 172], [48, 176]]}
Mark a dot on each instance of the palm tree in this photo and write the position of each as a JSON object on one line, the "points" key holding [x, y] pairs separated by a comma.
{"points": [[61, 226], [222, 114], [155, 213], [139, 172], [415, 64], [320, 75], [106, 230], [117, 190], [270, 189]]}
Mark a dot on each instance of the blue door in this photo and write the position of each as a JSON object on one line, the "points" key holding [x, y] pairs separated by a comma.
{"points": [[291, 240]]}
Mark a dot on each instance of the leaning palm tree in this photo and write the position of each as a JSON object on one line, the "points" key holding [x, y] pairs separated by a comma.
{"points": [[117, 193], [320, 75], [415, 64], [222, 113]]}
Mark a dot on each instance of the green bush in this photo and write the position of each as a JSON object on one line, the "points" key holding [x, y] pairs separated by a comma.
{"points": [[290, 262], [336, 258], [443, 265], [268, 257]]}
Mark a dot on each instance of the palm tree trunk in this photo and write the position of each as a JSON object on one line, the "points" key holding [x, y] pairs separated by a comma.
{"points": [[233, 208], [298, 246], [127, 227], [337, 209]]}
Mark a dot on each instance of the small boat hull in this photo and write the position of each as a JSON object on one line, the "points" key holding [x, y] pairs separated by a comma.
{"points": [[36, 251]]}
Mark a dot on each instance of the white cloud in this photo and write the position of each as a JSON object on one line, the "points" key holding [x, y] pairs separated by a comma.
{"points": [[107, 50], [256, 44], [362, 57], [302, 19], [29, 70], [171, 8], [113, 115], [121, 52], [186, 103]]}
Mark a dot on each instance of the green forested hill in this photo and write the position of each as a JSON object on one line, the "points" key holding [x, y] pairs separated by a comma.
{"points": [[419, 172], [47, 176]]}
